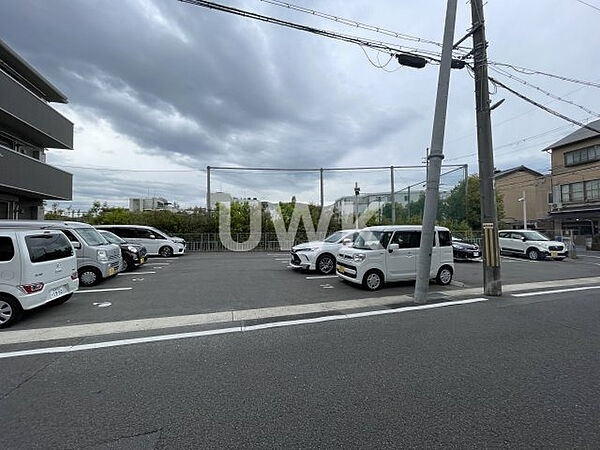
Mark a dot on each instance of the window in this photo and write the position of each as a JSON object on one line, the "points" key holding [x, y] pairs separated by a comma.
{"points": [[505, 235], [48, 247], [592, 190], [407, 239], [582, 156], [125, 233], [580, 192], [577, 192], [445, 238], [7, 250], [564, 193], [91, 236], [143, 233], [550, 198], [70, 236], [372, 240], [518, 236]]}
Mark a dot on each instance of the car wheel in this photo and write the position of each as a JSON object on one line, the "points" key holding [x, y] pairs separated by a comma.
{"points": [[326, 264], [63, 299], [89, 276], [533, 254], [126, 265], [373, 280], [10, 311], [444, 276], [166, 251]]}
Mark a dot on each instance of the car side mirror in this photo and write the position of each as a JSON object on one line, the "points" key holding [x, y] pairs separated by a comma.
{"points": [[151, 236], [347, 241], [523, 238], [76, 245], [393, 247]]}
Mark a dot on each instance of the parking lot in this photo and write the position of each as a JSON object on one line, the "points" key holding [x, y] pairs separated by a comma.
{"points": [[200, 283]]}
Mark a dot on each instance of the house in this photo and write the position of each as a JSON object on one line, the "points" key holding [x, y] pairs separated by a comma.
{"points": [[524, 184], [575, 179], [28, 127]]}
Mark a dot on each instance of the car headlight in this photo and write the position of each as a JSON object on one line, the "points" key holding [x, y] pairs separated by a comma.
{"points": [[132, 249], [359, 257], [102, 256]]}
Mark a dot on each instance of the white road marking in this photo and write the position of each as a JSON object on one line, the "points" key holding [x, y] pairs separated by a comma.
{"points": [[590, 256], [158, 264], [321, 277], [133, 274], [102, 304], [231, 330], [138, 279], [282, 259], [518, 259], [556, 291], [91, 291], [326, 286]]}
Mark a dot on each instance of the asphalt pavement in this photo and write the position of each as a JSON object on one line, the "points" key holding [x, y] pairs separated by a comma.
{"points": [[509, 372]]}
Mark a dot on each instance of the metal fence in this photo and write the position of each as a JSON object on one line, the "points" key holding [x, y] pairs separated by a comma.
{"points": [[210, 242]]}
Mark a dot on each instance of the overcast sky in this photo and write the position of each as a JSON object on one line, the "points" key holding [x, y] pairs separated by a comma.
{"points": [[160, 84]]}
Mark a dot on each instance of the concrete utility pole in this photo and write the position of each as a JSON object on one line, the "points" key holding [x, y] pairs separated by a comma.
{"points": [[356, 194], [321, 191], [492, 283], [208, 189], [435, 157], [393, 199]]}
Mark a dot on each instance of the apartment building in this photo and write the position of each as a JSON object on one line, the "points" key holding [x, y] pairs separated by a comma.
{"points": [[28, 127], [575, 182]]}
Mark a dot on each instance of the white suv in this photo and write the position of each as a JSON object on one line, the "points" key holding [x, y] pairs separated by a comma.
{"points": [[390, 253], [532, 244], [320, 255], [36, 267]]}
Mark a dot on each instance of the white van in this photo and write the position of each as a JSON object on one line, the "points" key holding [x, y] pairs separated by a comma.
{"points": [[390, 253], [96, 257], [156, 242], [36, 267]]}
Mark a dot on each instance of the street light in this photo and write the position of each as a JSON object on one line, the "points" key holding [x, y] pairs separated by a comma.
{"points": [[524, 201]]}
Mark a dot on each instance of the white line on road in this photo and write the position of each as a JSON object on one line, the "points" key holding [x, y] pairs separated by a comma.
{"points": [[91, 291], [282, 259], [518, 260], [240, 329], [321, 277], [134, 273], [158, 264], [590, 256], [556, 291]]}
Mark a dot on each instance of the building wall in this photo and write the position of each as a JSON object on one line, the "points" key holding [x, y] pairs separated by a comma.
{"points": [[536, 188]]}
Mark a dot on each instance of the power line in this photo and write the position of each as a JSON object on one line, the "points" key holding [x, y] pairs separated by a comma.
{"points": [[379, 45], [131, 170], [588, 4], [527, 71]]}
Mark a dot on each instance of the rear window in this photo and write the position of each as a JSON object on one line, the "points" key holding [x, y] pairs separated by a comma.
{"points": [[7, 250], [48, 247]]}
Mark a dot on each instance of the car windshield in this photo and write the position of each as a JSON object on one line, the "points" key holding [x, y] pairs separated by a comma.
{"points": [[91, 236], [112, 238], [334, 237], [534, 236], [372, 240]]}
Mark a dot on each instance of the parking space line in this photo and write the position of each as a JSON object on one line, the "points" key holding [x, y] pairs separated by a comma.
{"points": [[134, 273], [158, 264], [321, 277], [230, 330], [91, 291], [282, 259], [518, 260], [590, 256], [555, 291]]}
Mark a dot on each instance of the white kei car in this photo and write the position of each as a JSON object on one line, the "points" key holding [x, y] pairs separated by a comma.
{"points": [[532, 244], [321, 255]]}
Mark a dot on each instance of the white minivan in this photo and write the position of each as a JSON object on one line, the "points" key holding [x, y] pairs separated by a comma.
{"points": [[156, 242], [36, 267], [390, 253]]}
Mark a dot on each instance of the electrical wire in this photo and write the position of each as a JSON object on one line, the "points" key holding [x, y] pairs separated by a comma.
{"points": [[588, 4], [130, 170], [527, 71]]}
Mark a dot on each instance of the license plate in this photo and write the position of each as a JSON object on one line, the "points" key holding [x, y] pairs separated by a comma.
{"points": [[111, 271], [475, 254], [553, 254], [143, 260], [341, 269], [58, 292]]}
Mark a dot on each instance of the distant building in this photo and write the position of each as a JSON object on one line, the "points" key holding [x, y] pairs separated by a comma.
{"points": [[151, 204], [29, 126], [219, 197], [345, 205]]}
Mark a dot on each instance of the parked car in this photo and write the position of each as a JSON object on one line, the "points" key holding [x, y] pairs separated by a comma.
{"points": [[389, 253], [320, 255], [465, 251], [134, 255], [532, 244], [36, 267], [96, 258], [156, 242]]}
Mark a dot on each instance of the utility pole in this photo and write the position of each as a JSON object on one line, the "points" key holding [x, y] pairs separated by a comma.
{"points": [[356, 194], [208, 189], [393, 199], [492, 282], [321, 190], [435, 157], [524, 201]]}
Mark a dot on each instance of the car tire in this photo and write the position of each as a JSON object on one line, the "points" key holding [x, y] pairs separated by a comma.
{"points": [[63, 299], [89, 276], [373, 280], [166, 251], [10, 311], [444, 276], [326, 264], [533, 254], [127, 265]]}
